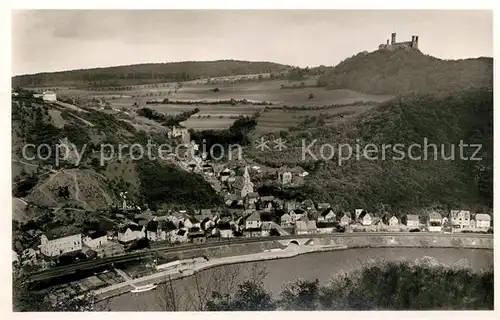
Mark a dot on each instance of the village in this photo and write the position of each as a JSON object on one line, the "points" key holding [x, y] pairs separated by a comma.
{"points": [[245, 213]]}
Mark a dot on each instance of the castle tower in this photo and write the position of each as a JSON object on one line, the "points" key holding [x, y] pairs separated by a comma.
{"points": [[393, 38]]}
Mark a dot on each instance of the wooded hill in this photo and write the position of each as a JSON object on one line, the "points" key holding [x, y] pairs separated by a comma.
{"points": [[402, 71], [147, 73]]}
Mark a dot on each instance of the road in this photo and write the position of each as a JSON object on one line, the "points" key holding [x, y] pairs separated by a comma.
{"points": [[108, 261]]}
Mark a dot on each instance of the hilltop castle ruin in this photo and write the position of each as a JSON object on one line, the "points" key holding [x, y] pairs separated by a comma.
{"points": [[399, 45]]}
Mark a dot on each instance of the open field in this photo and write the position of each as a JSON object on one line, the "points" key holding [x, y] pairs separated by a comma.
{"points": [[221, 116], [264, 90], [274, 120], [208, 124], [271, 91]]}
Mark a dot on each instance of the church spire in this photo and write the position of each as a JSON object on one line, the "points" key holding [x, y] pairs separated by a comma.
{"points": [[246, 175]]}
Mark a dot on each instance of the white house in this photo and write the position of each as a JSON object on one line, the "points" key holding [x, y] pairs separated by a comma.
{"points": [[225, 230], [412, 221], [253, 221], [460, 219], [181, 236], [51, 246], [435, 222], [96, 240], [345, 220], [305, 227], [131, 233], [49, 96], [297, 214], [393, 221], [286, 220], [483, 221], [365, 218], [327, 215]]}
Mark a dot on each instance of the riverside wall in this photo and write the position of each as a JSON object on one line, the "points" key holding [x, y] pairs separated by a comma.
{"points": [[470, 241], [282, 249]]}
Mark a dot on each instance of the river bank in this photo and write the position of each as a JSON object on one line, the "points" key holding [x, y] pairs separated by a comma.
{"points": [[301, 246], [193, 291], [180, 271]]}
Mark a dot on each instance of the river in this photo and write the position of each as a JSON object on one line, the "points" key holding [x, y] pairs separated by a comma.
{"points": [[188, 292]]}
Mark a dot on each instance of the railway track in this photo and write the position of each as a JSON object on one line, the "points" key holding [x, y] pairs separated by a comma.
{"points": [[153, 252]]}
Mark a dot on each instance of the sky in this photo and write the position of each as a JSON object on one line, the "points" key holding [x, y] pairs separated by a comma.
{"points": [[56, 40]]}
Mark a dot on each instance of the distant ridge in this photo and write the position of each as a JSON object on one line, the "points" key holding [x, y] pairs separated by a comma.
{"points": [[148, 73]]}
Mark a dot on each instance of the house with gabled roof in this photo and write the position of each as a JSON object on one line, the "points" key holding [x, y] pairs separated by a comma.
{"points": [[460, 219], [253, 221], [345, 220], [297, 214], [365, 218], [435, 222], [252, 197], [327, 215], [483, 221], [96, 239], [393, 221], [412, 221], [225, 230], [305, 227], [131, 233], [180, 236], [286, 220], [191, 222]]}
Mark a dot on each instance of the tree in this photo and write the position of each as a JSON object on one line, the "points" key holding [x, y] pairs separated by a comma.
{"points": [[250, 296], [199, 291], [300, 295]]}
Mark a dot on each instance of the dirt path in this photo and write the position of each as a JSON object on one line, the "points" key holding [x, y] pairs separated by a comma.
{"points": [[88, 123]]}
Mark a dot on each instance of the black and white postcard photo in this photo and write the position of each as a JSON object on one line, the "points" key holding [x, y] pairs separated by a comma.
{"points": [[251, 160]]}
